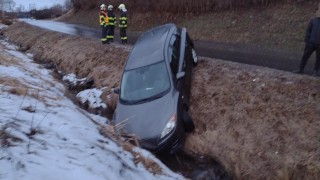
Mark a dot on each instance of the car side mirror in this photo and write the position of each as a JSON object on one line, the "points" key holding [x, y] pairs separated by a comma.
{"points": [[180, 75], [115, 90]]}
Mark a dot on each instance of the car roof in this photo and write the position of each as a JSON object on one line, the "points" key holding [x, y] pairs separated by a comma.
{"points": [[149, 48]]}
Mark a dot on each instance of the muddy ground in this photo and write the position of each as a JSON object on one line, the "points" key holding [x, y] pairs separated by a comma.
{"points": [[260, 123]]}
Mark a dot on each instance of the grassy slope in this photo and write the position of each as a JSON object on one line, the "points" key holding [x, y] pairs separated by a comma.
{"points": [[278, 26], [259, 122]]}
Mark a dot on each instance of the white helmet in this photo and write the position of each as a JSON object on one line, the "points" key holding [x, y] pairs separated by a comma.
{"points": [[122, 7], [103, 7], [110, 7]]}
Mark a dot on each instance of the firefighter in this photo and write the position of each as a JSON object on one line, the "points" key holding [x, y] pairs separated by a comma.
{"points": [[111, 24], [123, 24], [103, 23]]}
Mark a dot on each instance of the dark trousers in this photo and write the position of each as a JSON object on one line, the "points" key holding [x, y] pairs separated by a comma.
{"points": [[110, 35], [103, 35], [308, 50], [123, 35]]}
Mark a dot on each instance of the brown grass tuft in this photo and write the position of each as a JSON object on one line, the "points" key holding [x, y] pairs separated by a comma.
{"points": [[128, 141], [6, 139]]}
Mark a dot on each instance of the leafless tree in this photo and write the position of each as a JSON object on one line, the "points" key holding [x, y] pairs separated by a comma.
{"points": [[67, 4], [7, 5]]}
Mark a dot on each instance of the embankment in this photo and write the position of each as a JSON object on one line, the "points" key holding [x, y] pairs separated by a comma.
{"points": [[260, 123]]}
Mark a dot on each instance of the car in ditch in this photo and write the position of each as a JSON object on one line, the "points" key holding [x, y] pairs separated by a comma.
{"points": [[154, 92]]}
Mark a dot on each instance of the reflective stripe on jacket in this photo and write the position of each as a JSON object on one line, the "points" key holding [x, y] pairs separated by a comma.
{"points": [[103, 18], [123, 20], [112, 18]]}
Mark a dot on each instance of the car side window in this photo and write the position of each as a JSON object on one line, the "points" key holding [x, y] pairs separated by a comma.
{"points": [[174, 54]]}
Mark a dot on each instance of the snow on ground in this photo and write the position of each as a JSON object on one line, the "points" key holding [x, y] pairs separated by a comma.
{"points": [[92, 96], [71, 78], [43, 135]]}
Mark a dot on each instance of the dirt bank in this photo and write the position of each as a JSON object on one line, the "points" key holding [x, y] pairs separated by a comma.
{"points": [[259, 123], [278, 25]]}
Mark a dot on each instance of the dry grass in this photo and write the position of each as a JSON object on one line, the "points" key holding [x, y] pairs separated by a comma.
{"points": [[6, 139], [128, 142], [280, 26], [273, 25], [14, 86], [259, 123]]}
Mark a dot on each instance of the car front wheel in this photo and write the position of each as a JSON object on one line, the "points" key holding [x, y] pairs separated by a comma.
{"points": [[188, 122]]}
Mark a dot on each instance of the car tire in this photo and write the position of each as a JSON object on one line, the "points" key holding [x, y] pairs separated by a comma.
{"points": [[188, 122], [194, 57]]}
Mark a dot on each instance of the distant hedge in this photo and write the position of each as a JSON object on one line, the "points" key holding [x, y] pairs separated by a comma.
{"points": [[177, 6]]}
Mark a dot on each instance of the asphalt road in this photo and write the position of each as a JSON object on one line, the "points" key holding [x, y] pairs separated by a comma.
{"points": [[277, 59]]}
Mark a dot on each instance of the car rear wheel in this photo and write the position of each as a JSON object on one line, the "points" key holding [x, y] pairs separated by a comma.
{"points": [[188, 122], [194, 57]]}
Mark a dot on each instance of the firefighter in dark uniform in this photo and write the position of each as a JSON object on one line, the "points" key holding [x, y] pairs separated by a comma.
{"points": [[111, 24], [123, 24], [103, 23]]}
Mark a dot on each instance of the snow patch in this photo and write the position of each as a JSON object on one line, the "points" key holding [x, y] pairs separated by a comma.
{"points": [[92, 97], [72, 79]]}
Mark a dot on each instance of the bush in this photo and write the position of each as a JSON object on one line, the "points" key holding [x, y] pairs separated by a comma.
{"points": [[7, 21]]}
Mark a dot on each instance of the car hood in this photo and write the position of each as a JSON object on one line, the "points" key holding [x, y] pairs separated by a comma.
{"points": [[146, 120]]}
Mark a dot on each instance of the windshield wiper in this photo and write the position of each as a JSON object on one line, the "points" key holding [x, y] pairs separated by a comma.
{"points": [[157, 96]]}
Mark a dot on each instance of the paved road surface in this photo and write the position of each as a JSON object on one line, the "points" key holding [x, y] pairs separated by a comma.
{"points": [[276, 59]]}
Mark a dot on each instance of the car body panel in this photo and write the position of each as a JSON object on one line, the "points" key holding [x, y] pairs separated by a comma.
{"points": [[148, 119], [149, 48]]}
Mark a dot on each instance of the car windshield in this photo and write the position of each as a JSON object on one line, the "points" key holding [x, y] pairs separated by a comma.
{"points": [[144, 83]]}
